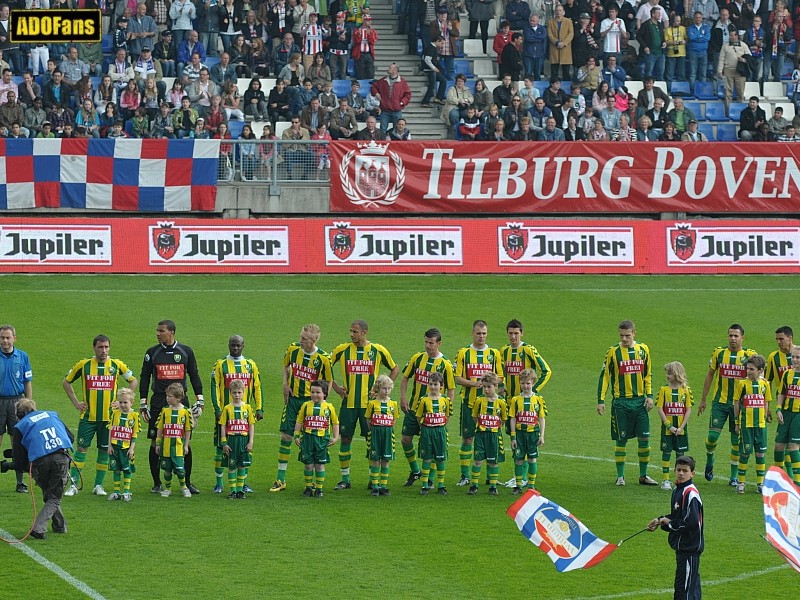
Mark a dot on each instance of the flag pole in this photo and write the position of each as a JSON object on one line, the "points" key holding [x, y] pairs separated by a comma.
{"points": [[632, 536]]}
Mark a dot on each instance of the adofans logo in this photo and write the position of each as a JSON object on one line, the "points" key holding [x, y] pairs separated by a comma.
{"points": [[54, 26]]}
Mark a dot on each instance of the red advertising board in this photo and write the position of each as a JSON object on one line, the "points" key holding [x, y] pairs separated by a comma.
{"points": [[399, 245], [483, 177]]}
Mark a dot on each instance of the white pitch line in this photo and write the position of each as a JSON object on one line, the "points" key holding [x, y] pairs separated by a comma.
{"points": [[52, 567], [211, 290], [659, 592]]}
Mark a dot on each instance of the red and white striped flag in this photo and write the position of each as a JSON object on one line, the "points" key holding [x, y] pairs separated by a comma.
{"points": [[782, 515]]}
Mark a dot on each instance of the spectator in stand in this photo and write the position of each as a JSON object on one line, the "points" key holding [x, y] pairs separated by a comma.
{"points": [[741, 13], [709, 11], [343, 125], [313, 116], [754, 37], [55, 92], [469, 126], [260, 57], [573, 132], [356, 101], [728, 66], [751, 119], [777, 40], [573, 10], [121, 36], [534, 47], [372, 131], [578, 100], [698, 36], [162, 125], [588, 78], [551, 133], [241, 57], [720, 35], [301, 12], [7, 84], [539, 114], [763, 134], [232, 102], [680, 115], [584, 44], [645, 132], [645, 13], [175, 94], [394, 95], [621, 97], [186, 51], [364, 40], [278, 104], [692, 134], [90, 53], [249, 153], [313, 34], [72, 67], [182, 13], [223, 72], [448, 31], [201, 91], [60, 117], [675, 61], [459, 98], [146, 67], [215, 115], [142, 30], [34, 117], [528, 92], [200, 132], [513, 116], [326, 97], [658, 115], [560, 32], [598, 132], [480, 13], [430, 17], [651, 40], [482, 96], [778, 123], [610, 117], [613, 32], [281, 22], [600, 97], [282, 54], [498, 134], [434, 69], [252, 29], [399, 133], [87, 117], [625, 133], [490, 116], [129, 100], [503, 93], [554, 96], [46, 131], [563, 113], [631, 62], [167, 54], [648, 94], [525, 133], [790, 135], [140, 124], [319, 72], [511, 63], [184, 119], [108, 118], [339, 47], [28, 89], [208, 24], [294, 73], [670, 134], [517, 14], [11, 111], [501, 40]]}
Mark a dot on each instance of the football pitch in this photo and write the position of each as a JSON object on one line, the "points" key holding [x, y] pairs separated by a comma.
{"points": [[349, 544]]}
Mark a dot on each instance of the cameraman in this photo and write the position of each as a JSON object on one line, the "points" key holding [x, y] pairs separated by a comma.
{"points": [[41, 438]]}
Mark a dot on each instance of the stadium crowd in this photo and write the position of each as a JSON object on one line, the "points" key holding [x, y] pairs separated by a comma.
{"points": [[208, 49]]}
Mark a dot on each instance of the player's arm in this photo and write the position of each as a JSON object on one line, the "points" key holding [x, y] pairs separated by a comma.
{"points": [[27, 386], [689, 520], [737, 395], [144, 386], [544, 371], [251, 438], [368, 414], [80, 406], [542, 427], [603, 383], [258, 400], [768, 398], [403, 390], [216, 393], [648, 380], [685, 422], [27, 390], [706, 387], [187, 435], [298, 425], [286, 369]]}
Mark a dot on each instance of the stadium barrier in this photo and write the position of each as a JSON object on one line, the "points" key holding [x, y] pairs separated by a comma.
{"points": [[396, 245]]}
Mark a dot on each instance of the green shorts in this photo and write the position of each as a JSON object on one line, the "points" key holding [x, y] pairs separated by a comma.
{"points": [[629, 419], [380, 443], [87, 431], [489, 447], [411, 426], [289, 414], [674, 443], [119, 461], [752, 439], [719, 414], [238, 456], [173, 463], [527, 445], [314, 450], [433, 443], [789, 431], [349, 417], [467, 421]]}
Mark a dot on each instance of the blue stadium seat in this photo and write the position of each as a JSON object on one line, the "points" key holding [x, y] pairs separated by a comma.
{"points": [[727, 133], [210, 61], [235, 126], [366, 84], [107, 43], [681, 88], [715, 111], [462, 67], [696, 108], [420, 49], [541, 86], [351, 68], [341, 87], [129, 127], [704, 90], [707, 129], [460, 48], [471, 85], [735, 110]]}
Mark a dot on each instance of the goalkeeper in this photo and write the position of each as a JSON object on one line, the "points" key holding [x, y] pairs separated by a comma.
{"points": [[166, 363]]}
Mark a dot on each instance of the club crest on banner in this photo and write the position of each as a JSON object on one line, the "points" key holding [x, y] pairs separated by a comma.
{"points": [[166, 239], [376, 178], [342, 239], [515, 240], [683, 240]]}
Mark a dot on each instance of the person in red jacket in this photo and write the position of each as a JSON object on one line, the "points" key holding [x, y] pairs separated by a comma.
{"points": [[394, 95], [364, 40]]}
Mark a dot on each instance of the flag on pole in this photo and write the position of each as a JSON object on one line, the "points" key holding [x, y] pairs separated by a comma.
{"points": [[782, 515], [567, 541]]}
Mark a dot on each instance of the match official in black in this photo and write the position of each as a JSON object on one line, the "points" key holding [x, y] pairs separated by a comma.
{"points": [[167, 362]]}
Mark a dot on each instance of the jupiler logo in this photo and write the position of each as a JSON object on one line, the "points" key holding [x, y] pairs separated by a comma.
{"points": [[377, 178], [515, 240], [683, 240], [166, 239]]}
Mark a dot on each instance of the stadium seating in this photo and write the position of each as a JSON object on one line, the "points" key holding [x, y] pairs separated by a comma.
{"points": [[681, 88], [704, 90], [366, 84], [774, 90], [107, 43], [715, 111], [696, 108], [752, 88], [788, 110], [341, 87], [727, 133], [707, 129], [735, 110], [474, 48], [462, 67], [235, 127], [634, 87]]}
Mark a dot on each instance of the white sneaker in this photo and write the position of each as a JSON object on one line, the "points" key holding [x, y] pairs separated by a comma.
{"points": [[511, 483], [666, 485], [126, 496], [620, 481], [740, 488], [185, 492], [99, 491], [463, 481], [166, 493], [114, 496], [71, 491]]}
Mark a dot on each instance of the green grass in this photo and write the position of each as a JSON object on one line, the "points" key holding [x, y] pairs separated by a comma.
{"points": [[350, 544]]}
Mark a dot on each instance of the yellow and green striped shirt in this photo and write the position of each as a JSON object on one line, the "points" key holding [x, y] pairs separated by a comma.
{"points": [[627, 372], [789, 388], [225, 371], [777, 364], [674, 403], [99, 385], [730, 367], [123, 428], [473, 364], [381, 414], [752, 397], [527, 412], [419, 368], [235, 420], [516, 360], [489, 415], [304, 369], [434, 413], [317, 419], [173, 424], [359, 368]]}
